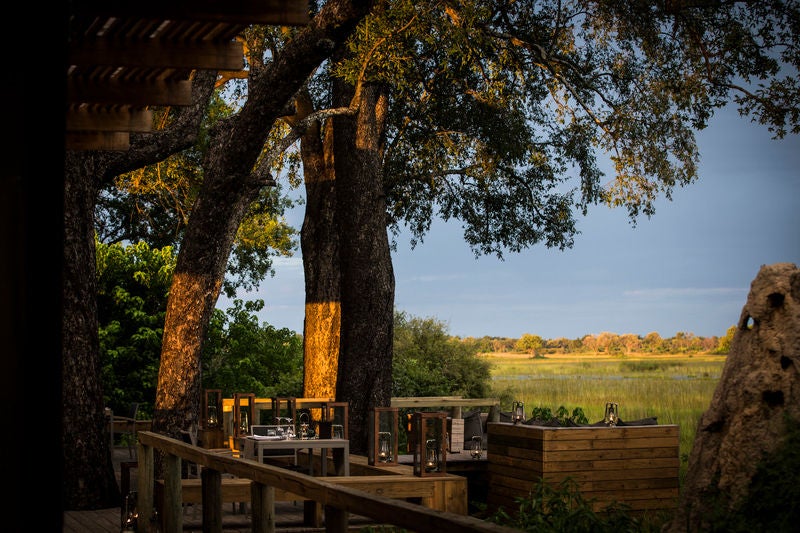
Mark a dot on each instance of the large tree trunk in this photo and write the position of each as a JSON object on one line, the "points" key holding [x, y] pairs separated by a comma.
{"points": [[319, 242], [367, 284], [89, 481], [227, 191], [88, 472]]}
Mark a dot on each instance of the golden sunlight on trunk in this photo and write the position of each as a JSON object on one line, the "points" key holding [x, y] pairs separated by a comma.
{"points": [[321, 336]]}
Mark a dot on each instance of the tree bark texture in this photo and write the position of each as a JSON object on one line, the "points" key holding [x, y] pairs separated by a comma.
{"points": [[319, 241], [87, 467], [88, 480], [367, 278]]}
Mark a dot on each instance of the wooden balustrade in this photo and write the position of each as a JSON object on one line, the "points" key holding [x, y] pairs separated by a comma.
{"points": [[337, 499]]}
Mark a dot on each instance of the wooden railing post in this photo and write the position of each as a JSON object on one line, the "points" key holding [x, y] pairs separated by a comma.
{"points": [[336, 520], [262, 506], [145, 476], [211, 489], [173, 499]]}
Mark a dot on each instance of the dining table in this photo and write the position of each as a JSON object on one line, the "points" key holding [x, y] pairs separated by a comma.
{"points": [[257, 447]]}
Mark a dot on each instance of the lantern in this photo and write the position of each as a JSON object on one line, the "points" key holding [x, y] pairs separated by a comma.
{"points": [[518, 412], [612, 414], [476, 447], [243, 411], [336, 414], [430, 446], [383, 426], [212, 409]]}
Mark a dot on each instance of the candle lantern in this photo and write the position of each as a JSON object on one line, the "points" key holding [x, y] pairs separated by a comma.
{"points": [[130, 513], [383, 425], [612, 414], [243, 411], [336, 414], [476, 447], [304, 431], [430, 447], [212, 409], [211, 432], [518, 412]]}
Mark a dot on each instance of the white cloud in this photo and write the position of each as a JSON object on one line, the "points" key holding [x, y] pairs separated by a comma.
{"points": [[685, 292]]}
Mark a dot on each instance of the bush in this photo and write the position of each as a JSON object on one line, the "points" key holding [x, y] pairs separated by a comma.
{"points": [[562, 509]]}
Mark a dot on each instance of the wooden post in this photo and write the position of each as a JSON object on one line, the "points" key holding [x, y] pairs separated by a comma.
{"points": [[262, 503], [335, 520], [211, 481], [145, 476], [172, 514]]}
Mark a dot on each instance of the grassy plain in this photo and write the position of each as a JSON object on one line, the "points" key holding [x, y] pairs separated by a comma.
{"points": [[676, 389]]}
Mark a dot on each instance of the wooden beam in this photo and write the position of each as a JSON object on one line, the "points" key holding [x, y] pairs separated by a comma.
{"points": [[135, 93], [139, 120], [154, 53], [98, 140], [271, 12]]}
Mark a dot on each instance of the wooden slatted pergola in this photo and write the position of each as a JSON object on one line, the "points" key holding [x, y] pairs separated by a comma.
{"points": [[125, 56]]}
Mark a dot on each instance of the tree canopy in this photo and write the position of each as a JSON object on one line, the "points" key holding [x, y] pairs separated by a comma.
{"points": [[502, 113]]}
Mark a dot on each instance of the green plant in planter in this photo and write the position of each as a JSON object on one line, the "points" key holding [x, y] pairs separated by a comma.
{"points": [[561, 508], [562, 415]]}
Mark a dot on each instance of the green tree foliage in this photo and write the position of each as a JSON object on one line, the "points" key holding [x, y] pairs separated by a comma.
{"points": [[724, 343], [429, 362], [503, 113], [132, 286], [241, 355], [153, 204], [528, 343]]}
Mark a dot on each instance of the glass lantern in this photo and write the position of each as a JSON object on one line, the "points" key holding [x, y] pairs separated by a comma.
{"points": [[336, 414], [243, 411], [518, 412], [612, 414], [383, 425], [430, 448], [130, 513], [304, 430], [212, 409], [476, 447]]}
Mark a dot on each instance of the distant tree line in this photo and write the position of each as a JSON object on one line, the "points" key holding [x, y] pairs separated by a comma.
{"points": [[605, 343]]}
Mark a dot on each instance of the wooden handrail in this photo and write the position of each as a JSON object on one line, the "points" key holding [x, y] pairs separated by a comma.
{"points": [[442, 401], [337, 500]]}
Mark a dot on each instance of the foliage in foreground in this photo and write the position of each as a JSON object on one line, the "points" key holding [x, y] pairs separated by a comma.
{"points": [[561, 508]]}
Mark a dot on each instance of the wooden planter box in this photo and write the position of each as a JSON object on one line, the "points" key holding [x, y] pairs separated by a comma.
{"points": [[634, 465]]}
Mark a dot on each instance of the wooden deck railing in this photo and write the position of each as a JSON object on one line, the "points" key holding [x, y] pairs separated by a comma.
{"points": [[453, 403], [337, 500]]}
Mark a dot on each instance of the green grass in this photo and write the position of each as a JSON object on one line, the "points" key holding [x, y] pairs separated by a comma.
{"points": [[675, 389]]}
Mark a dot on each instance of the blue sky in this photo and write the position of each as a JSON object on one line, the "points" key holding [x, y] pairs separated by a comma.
{"points": [[688, 268]]}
